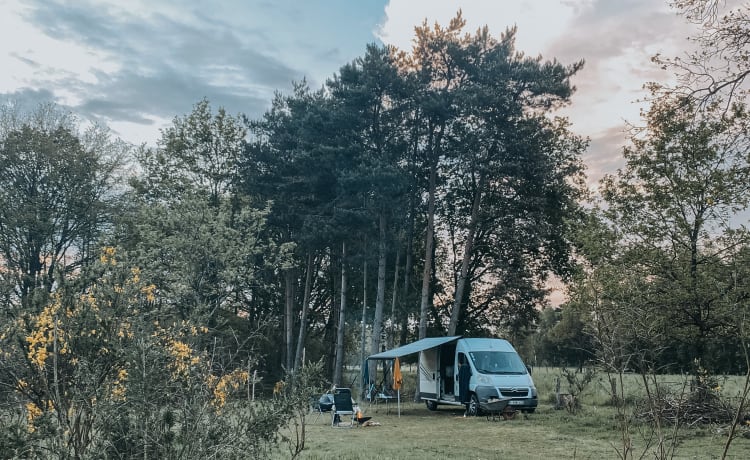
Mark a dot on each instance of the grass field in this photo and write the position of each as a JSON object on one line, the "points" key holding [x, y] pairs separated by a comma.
{"points": [[547, 434]]}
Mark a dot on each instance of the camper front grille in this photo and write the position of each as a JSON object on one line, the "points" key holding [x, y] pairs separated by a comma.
{"points": [[514, 392]]}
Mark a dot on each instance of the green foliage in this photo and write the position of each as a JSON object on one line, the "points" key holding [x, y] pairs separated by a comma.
{"points": [[672, 205], [558, 339], [202, 256], [199, 152], [509, 175], [56, 198], [577, 380], [202, 243], [299, 390]]}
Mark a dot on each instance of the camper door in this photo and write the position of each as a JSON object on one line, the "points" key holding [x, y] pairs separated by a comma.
{"points": [[429, 375]]}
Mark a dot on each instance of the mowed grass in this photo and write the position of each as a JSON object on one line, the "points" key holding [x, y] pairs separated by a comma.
{"points": [[593, 433]]}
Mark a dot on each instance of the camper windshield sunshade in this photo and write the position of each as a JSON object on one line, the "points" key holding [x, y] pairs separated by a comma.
{"points": [[415, 347]]}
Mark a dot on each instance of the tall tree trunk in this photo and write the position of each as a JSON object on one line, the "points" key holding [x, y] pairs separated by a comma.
{"points": [[377, 324], [305, 309], [404, 316], [330, 333], [427, 272], [364, 321], [392, 331], [468, 247], [339, 367], [701, 312], [289, 318]]}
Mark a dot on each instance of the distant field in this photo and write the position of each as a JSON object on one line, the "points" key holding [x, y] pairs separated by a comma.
{"points": [[546, 434]]}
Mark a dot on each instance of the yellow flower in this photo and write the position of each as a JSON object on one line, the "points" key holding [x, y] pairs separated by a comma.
{"points": [[32, 412], [108, 255], [136, 274], [118, 393], [46, 331], [118, 388], [183, 357], [227, 384], [149, 292]]}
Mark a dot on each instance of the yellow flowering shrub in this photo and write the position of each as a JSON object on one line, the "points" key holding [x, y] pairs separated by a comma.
{"points": [[75, 348], [226, 385], [119, 386], [183, 357], [47, 330], [91, 351]]}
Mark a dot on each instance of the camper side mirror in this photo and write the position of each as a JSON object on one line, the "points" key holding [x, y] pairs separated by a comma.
{"points": [[528, 368]]}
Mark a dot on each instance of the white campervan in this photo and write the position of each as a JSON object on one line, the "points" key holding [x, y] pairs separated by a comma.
{"points": [[496, 372]]}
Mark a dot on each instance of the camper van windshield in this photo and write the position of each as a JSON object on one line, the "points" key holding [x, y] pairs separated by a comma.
{"points": [[497, 362]]}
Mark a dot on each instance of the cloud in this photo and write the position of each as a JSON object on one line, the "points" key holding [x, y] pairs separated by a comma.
{"points": [[162, 65], [604, 30], [129, 96], [142, 62], [27, 99], [604, 155]]}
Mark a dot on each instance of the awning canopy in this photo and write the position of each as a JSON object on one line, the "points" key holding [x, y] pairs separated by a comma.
{"points": [[414, 347]]}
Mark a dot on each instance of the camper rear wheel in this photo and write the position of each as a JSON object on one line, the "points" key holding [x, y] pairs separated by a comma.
{"points": [[474, 405], [431, 405]]}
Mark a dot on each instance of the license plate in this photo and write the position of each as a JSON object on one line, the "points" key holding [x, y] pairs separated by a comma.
{"points": [[515, 402]]}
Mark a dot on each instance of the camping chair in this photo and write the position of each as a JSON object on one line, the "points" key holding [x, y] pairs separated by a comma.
{"points": [[342, 405]]}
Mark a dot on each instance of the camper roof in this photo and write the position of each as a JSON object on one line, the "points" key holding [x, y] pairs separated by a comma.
{"points": [[414, 347]]}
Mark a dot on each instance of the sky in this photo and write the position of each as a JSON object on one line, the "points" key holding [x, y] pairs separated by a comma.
{"points": [[135, 65]]}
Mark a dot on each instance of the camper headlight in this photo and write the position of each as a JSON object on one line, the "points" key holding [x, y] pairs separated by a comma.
{"points": [[533, 391], [483, 379]]}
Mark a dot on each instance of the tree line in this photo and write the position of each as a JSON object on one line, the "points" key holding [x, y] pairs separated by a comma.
{"points": [[433, 181]]}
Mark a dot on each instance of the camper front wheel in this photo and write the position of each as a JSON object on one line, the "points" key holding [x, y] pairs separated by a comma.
{"points": [[474, 405], [431, 405]]}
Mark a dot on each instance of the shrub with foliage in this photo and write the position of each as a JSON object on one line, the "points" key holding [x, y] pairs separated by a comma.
{"points": [[100, 370]]}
